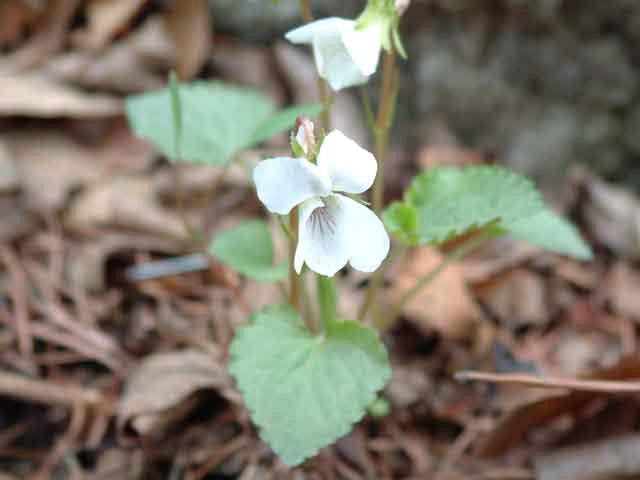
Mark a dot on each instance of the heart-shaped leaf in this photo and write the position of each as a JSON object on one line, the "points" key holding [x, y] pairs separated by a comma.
{"points": [[305, 392]]}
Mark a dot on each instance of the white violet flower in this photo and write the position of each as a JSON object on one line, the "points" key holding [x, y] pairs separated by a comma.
{"points": [[346, 51], [345, 54], [333, 228]]}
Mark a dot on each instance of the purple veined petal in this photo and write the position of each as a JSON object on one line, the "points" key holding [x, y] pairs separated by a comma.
{"points": [[322, 244]]}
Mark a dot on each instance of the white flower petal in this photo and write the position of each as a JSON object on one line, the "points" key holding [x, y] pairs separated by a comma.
{"points": [[351, 168], [283, 182], [331, 26], [334, 63], [322, 242], [364, 233], [364, 47]]}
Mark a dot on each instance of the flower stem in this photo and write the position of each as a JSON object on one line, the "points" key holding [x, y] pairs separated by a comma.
{"points": [[323, 88], [381, 131], [462, 250], [294, 278], [383, 125], [327, 299]]}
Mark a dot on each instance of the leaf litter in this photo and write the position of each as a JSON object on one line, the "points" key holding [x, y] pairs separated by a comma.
{"points": [[131, 372]]}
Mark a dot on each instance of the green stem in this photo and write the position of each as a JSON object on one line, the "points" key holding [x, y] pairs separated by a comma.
{"points": [[383, 125], [323, 88], [327, 299], [294, 278], [459, 252], [381, 131]]}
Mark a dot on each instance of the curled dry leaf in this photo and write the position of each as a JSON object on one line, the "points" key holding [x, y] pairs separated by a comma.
{"points": [[106, 18], [34, 161], [125, 202], [445, 304], [8, 174], [513, 429], [613, 216], [622, 288], [132, 64], [517, 298], [250, 65], [33, 95], [49, 37], [430, 156], [163, 380], [189, 25]]}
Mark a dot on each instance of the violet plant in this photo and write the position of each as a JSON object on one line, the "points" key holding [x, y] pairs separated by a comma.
{"points": [[304, 384]]}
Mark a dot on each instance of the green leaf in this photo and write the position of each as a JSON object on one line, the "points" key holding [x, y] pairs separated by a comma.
{"points": [[284, 120], [552, 232], [401, 219], [446, 202], [450, 201], [218, 120], [305, 392], [248, 249]]}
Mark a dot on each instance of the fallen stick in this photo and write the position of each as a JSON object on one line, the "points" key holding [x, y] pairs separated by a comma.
{"points": [[45, 392], [602, 386]]}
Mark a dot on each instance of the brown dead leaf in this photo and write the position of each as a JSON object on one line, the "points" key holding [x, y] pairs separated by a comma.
{"points": [[118, 68], [250, 65], [622, 290], [613, 216], [51, 158], [517, 424], [444, 305], [106, 19], [517, 298], [32, 95], [15, 18], [125, 202], [50, 37], [189, 25], [9, 181], [429, 157], [163, 380]]}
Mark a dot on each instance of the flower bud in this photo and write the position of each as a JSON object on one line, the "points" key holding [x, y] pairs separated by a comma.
{"points": [[304, 136]]}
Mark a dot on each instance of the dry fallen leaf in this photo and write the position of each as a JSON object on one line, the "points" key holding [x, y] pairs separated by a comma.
{"points": [[32, 95], [517, 424], [9, 181], [49, 37], [37, 152], [106, 18], [163, 380], [250, 65], [429, 157], [15, 18], [517, 298], [613, 216], [125, 202], [189, 25], [622, 290], [445, 304]]}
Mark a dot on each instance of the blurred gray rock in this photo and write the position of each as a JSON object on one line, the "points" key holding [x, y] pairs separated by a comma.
{"points": [[538, 99], [264, 19]]}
